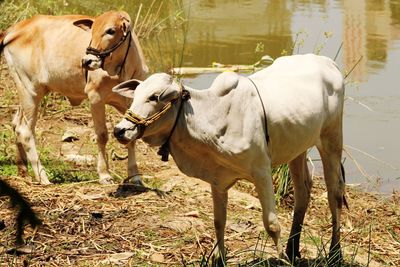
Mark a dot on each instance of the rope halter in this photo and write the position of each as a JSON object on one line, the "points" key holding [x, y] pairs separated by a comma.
{"points": [[142, 123], [105, 53]]}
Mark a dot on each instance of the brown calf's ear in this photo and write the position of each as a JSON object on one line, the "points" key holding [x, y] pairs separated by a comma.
{"points": [[85, 24], [127, 88], [125, 25]]}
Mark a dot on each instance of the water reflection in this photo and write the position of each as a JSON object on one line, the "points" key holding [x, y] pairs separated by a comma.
{"points": [[228, 31], [371, 27]]}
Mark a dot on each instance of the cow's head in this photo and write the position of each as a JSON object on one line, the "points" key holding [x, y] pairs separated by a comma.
{"points": [[153, 110], [109, 32]]}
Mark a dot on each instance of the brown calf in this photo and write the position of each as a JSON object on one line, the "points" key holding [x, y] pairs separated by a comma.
{"points": [[46, 54]]}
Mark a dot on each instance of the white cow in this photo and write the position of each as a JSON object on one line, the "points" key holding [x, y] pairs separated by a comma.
{"points": [[46, 54], [219, 135]]}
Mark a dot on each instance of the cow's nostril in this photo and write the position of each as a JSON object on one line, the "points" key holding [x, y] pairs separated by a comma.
{"points": [[86, 62], [119, 133]]}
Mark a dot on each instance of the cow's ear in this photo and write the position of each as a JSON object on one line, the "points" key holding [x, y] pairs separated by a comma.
{"points": [[125, 26], [127, 88], [126, 23], [169, 94], [85, 24]]}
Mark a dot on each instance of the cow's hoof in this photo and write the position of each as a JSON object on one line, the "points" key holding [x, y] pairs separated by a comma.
{"points": [[335, 258], [290, 255], [130, 189], [106, 180], [22, 170], [217, 260], [44, 180]]}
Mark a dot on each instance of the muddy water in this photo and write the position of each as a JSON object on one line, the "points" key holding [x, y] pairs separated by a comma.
{"points": [[240, 32]]}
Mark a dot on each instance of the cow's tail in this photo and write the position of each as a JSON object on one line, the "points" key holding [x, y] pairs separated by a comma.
{"points": [[344, 180], [2, 45]]}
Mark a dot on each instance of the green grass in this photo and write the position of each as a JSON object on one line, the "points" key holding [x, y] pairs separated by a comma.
{"points": [[58, 170]]}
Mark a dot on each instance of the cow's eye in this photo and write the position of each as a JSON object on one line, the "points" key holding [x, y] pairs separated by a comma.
{"points": [[110, 31], [153, 98]]}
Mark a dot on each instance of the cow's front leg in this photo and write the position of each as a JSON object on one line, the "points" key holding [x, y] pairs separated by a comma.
{"points": [[220, 199], [100, 128], [133, 171], [264, 187]]}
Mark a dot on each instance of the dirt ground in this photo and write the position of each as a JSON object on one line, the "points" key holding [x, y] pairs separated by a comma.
{"points": [[85, 225]]}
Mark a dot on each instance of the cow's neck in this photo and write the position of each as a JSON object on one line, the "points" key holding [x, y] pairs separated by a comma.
{"points": [[134, 65], [203, 132]]}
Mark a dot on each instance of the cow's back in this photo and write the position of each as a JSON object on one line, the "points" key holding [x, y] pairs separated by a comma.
{"points": [[302, 95], [49, 50]]}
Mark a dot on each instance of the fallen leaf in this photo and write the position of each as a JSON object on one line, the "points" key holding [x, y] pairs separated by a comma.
{"points": [[157, 257], [118, 258], [90, 196], [194, 214], [69, 136]]}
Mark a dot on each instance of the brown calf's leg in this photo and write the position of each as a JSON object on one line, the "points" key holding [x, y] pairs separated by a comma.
{"points": [[24, 123], [99, 119], [21, 157]]}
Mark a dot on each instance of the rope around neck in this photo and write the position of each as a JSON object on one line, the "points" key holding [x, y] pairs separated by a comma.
{"points": [[263, 107]]}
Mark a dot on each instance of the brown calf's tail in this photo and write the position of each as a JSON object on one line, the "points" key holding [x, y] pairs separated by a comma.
{"points": [[2, 45]]}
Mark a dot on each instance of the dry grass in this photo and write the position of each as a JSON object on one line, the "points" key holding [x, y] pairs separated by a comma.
{"points": [[85, 226]]}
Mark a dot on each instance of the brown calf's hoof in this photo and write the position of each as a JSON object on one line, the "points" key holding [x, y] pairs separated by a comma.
{"points": [[106, 180]]}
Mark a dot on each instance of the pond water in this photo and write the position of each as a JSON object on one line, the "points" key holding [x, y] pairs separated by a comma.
{"points": [[240, 32]]}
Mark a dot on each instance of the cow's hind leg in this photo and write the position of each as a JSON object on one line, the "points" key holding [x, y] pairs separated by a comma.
{"points": [[302, 188], [21, 157], [24, 123], [330, 149]]}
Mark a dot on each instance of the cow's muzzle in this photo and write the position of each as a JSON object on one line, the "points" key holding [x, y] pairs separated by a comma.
{"points": [[90, 62], [126, 135]]}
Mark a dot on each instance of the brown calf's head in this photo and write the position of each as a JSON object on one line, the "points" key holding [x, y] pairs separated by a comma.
{"points": [[109, 32]]}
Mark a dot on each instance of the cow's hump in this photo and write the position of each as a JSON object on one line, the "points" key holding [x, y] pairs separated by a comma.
{"points": [[225, 82]]}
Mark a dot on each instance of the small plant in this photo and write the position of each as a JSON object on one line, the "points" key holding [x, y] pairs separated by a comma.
{"points": [[282, 182]]}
